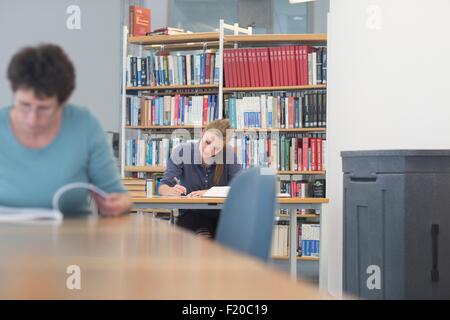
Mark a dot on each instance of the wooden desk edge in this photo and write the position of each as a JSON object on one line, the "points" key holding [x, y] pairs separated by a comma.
{"points": [[222, 200]]}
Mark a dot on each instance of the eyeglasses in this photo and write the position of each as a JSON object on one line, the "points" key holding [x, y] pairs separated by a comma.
{"points": [[40, 111]]}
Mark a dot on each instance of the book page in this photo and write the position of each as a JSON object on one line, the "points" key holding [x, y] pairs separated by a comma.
{"points": [[217, 192], [11, 214]]}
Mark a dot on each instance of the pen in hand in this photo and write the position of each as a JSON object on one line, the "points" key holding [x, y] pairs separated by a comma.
{"points": [[178, 182]]}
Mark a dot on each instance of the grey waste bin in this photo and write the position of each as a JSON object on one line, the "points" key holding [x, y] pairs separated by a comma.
{"points": [[396, 224]]}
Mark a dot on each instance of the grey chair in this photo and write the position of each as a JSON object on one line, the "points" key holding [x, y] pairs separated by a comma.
{"points": [[246, 221]]}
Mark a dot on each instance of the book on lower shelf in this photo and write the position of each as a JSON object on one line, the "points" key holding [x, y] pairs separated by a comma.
{"points": [[175, 110], [308, 245], [306, 109], [296, 152]]}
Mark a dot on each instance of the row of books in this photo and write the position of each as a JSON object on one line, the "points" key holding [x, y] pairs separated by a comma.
{"points": [[308, 240], [150, 150], [164, 70], [299, 110], [275, 66], [171, 110], [284, 151], [302, 188]]}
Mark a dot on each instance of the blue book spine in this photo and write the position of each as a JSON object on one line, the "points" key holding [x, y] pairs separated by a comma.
{"points": [[156, 71], [202, 68], [161, 111], [243, 152], [156, 106], [232, 121], [182, 110], [139, 72], [216, 69], [216, 106], [234, 113], [134, 152], [196, 69]]}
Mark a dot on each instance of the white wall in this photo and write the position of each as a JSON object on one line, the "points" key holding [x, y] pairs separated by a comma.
{"points": [[160, 11], [95, 49], [388, 89]]}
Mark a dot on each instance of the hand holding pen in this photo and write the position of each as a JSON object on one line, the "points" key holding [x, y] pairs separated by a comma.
{"points": [[178, 188]]}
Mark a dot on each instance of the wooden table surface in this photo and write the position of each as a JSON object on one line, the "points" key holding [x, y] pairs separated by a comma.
{"points": [[132, 257], [177, 199]]}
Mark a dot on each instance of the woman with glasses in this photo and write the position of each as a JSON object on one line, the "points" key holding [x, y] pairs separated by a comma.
{"points": [[46, 143]]}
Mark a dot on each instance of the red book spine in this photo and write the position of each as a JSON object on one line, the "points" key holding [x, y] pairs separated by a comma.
{"points": [[299, 156], [258, 67], [305, 65], [246, 67], [305, 147], [319, 154], [279, 67], [205, 110], [272, 61], [266, 67], [207, 67], [291, 112], [293, 188], [253, 72], [234, 68], [153, 113], [177, 98], [298, 67], [241, 67], [293, 66], [285, 66], [226, 69], [313, 154], [288, 65]]}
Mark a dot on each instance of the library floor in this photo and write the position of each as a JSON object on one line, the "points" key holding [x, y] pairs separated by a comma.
{"points": [[306, 270]]}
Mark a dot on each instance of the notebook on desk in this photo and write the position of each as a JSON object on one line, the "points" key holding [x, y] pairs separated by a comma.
{"points": [[222, 192], [8, 214]]}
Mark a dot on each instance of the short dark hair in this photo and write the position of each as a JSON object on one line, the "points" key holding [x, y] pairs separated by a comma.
{"points": [[46, 69]]}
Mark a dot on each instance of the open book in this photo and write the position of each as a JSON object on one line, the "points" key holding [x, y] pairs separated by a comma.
{"points": [[13, 214], [222, 192]]}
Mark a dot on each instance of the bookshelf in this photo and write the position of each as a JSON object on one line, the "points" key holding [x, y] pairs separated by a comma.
{"points": [[218, 42]]}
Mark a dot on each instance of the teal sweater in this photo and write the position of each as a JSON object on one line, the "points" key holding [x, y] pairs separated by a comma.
{"points": [[79, 153]]}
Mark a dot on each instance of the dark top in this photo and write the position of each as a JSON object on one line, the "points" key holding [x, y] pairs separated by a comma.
{"points": [[185, 163]]}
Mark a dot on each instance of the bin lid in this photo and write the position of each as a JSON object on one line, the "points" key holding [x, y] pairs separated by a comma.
{"points": [[367, 163], [397, 153]]}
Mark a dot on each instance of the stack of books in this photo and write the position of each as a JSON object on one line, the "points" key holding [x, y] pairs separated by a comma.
{"points": [[168, 31], [136, 187]]}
